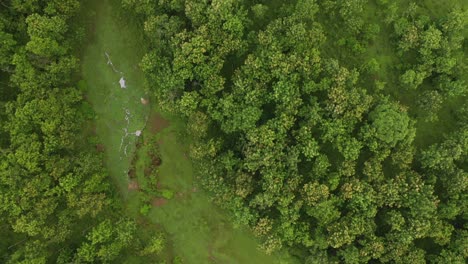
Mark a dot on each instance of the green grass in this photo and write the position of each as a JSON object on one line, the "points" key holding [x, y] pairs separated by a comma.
{"points": [[197, 230], [104, 93]]}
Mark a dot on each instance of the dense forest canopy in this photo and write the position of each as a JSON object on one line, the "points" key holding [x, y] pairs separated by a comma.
{"points": [[56, 203], [337, 130]]}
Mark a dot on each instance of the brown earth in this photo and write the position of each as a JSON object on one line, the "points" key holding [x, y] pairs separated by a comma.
{"points": [[156, 123], [100, 147], [144, 101], [133, 185], [156, 161], [157, 202], [132, 173]]}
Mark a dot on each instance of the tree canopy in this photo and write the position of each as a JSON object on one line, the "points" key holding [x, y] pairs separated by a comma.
{"points": [[336, 130], [310, 120]]}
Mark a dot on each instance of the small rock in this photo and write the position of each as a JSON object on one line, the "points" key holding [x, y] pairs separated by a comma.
{"points": [[122, 83]]}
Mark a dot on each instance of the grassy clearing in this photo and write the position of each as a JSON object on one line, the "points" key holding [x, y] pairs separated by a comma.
{"points": [[109, 101], [197, 230]]}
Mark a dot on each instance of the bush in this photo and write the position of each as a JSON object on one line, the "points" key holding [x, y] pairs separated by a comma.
{"points": [[144, 210], [167, 194]]}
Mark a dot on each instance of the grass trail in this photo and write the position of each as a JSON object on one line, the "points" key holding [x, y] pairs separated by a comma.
{"points": [[111, 55], [198, 231]]}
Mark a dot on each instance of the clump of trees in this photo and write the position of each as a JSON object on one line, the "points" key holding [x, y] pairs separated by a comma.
{"points": [[306, 131]]}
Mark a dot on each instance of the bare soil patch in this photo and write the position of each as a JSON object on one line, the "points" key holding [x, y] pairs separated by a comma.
{"points": [[158, 202], [132, 173], [156, 123], [133, 185], [144, 101], [156, 161], [100, 147]]}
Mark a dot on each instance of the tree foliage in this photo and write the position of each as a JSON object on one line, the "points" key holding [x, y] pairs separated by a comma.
{"points": [[53, 187], [306, 131]]}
